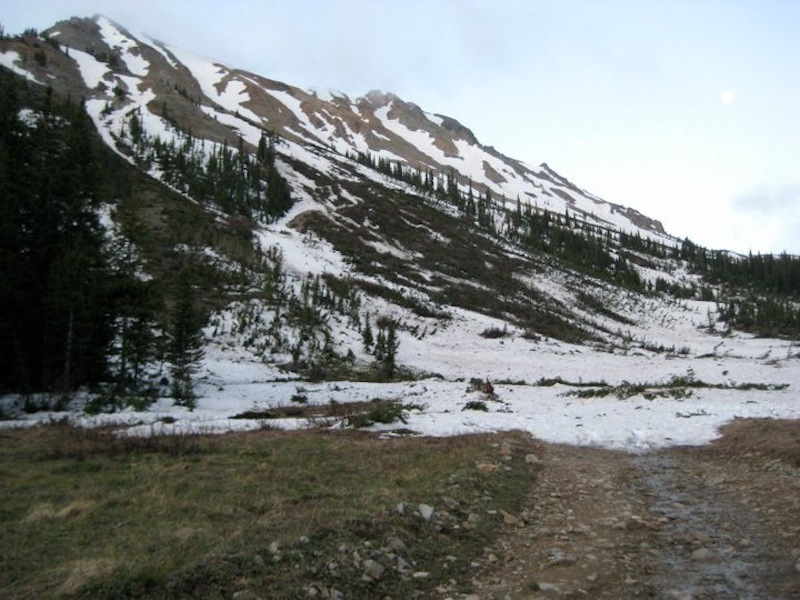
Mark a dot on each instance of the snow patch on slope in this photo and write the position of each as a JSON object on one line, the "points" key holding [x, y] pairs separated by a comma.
{"points": [[250, 133], [158, 47], [9, 60], [118, 40], [233, 96], [92, 70], [420, 139], [210, 75], [294, 105]]}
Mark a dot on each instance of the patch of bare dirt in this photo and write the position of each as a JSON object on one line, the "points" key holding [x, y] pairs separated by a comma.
{"points": [[721, 522]]}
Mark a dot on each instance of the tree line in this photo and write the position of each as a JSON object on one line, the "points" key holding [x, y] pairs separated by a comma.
{"points": [[75, 309]]}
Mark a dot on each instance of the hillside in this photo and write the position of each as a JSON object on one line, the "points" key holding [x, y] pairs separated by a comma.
{"points": [[441, 372], [328, 238]]}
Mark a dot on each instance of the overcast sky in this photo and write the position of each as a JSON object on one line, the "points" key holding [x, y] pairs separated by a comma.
{"points": [[687, 110]]}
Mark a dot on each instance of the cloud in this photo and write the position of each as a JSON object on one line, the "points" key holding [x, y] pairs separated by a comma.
{"points": [[766, 200], [769, 218]]}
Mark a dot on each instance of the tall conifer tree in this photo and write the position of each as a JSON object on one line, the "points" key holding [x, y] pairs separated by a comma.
{"points": [[185, 350]]}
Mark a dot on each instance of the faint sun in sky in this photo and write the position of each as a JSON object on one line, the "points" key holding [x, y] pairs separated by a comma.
{"points": [[727, 97]]}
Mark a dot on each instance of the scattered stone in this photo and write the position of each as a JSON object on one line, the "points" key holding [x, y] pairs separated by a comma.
{"points": [[274, 548], [258, 561], [421, 575], [373, 569], [532, 459], [547, 587], [245, 595], [704, 555], [426, 511], [395, 544], [403, 565], [505, 448], [559, 557], [702, 537], [400, 509], [580, 528]]}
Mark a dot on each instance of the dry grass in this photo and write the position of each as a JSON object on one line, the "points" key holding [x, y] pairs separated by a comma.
{"points": [[63, 440], [86, 515], [332, 410], [75, 575], [771, 438]]}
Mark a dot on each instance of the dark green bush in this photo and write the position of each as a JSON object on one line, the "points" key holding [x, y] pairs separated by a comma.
{"points": [[476, 405]]}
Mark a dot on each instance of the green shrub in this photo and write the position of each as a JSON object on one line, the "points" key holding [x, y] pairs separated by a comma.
{"points": [[476, 405], [494, 332], [383, 412]]}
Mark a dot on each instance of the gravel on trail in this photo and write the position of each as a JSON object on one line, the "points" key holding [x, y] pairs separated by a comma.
{"points": [[678, 524]]}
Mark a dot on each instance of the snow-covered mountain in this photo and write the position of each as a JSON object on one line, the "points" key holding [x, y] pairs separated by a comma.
{"points": [[490, 267], [384, 192], [121, 72]]}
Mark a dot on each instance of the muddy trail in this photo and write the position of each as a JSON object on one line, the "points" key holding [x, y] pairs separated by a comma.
{"points": [[713, 541], [682, 524]]}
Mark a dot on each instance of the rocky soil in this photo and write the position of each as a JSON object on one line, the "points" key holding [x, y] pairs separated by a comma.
{"points": [[679, 524]]}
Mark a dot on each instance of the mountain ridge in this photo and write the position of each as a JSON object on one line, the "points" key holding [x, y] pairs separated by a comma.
{"points": [[386, 211], [378, 122]]}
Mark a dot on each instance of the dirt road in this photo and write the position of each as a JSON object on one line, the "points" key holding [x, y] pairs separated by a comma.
{"points": [[716, 522]]}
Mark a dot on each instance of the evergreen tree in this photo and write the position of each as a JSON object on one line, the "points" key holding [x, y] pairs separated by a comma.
{"points": [[185, 343], [386, 346], [366, 335], [135, 303], [55, 321], [380, 346]]}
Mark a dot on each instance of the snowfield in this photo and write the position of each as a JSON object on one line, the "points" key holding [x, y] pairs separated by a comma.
{"points": [[232, 382]]}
